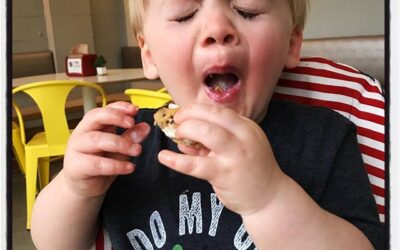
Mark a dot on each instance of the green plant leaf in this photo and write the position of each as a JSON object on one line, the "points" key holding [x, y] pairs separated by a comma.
{"points": [[100, 61]]}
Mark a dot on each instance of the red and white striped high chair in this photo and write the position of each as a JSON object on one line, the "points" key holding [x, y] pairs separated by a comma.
{"points": [[321, 82]]}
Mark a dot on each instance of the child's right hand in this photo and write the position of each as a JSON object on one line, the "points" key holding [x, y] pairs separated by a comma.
{"points": [[95, 155]]}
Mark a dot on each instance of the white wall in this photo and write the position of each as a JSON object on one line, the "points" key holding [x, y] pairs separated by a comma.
{"points": [[337, 18], [107, 18], [327, 18], [67, 26], [29, 28], [58, 25]]}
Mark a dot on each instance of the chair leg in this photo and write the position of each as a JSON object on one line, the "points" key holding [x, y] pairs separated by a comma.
{"points": [[44, 172], [31, 164], [18, 148]]}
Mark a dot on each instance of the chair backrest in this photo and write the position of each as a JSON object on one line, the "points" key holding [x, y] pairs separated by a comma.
{"points": [[51, 97], [32, 63], [321, 82], [148, 98], [131, 57]]}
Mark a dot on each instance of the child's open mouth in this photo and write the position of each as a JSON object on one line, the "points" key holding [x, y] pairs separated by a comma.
{"points": [[222, 87]]}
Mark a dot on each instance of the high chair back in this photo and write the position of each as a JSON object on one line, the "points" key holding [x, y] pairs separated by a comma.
{"points": [[50, 97], [318, 81], [148, 98]]}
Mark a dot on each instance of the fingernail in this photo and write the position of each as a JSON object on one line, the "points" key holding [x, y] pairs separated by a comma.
{"points": [[163, 156], [135, 149], [135, 108], [128, 121], [130, 166], [177, 114], [135, 135]]}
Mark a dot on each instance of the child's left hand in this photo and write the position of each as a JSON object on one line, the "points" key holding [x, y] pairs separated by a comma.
{"points": [[237, 159]]}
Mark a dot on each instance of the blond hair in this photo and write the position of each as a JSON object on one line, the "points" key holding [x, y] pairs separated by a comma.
{"points": [[299, 10], [137, 7]]}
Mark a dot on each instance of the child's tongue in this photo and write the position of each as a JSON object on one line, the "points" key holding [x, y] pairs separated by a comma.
{"points": [[220, 83]]}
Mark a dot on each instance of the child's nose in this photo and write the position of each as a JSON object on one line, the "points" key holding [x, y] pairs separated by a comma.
{"points": [[219, 29]]}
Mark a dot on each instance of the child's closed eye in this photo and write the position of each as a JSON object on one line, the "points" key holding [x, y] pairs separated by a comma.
{"points": [[246, 14], [186, 17]]}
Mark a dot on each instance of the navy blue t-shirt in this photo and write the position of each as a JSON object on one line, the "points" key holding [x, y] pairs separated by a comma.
{"points": [[158, 208]]}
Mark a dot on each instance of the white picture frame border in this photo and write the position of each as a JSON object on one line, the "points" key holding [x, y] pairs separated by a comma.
{"points": [[394, 121], [394, 163], [3, 125]]}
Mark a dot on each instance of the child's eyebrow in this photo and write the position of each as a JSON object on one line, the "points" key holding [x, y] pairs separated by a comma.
{"points": [[254, 2], [179, 4], [183, 1]]}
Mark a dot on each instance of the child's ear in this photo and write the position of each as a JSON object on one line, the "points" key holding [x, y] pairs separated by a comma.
{"points": [[296, 40], [149, 68]]}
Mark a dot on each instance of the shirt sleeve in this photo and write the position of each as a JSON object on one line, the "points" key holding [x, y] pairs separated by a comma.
{"points": [[348, 191]]}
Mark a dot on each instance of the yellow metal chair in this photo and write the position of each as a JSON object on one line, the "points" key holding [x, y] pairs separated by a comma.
{"points": [[18, 147], [50, 97], [148, 98], [162, 90]]}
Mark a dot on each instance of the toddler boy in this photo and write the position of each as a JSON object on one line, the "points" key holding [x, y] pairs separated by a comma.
{"points": [[270, 175]]}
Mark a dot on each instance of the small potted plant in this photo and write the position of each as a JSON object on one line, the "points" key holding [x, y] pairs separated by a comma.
{"points": [[100, 65]]}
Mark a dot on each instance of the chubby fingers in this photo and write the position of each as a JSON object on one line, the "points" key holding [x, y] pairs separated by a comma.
{"points": [[223, 117], [127, 144], [196, 166], [217, 128], [133, 137], [117, 148], [116, 114], [220, 129], [94, 165], [94, 134], [98, 141], [211, 135]]}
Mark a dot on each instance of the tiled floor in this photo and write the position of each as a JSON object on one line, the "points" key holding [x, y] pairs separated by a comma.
{"points": [[21, 238]]}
